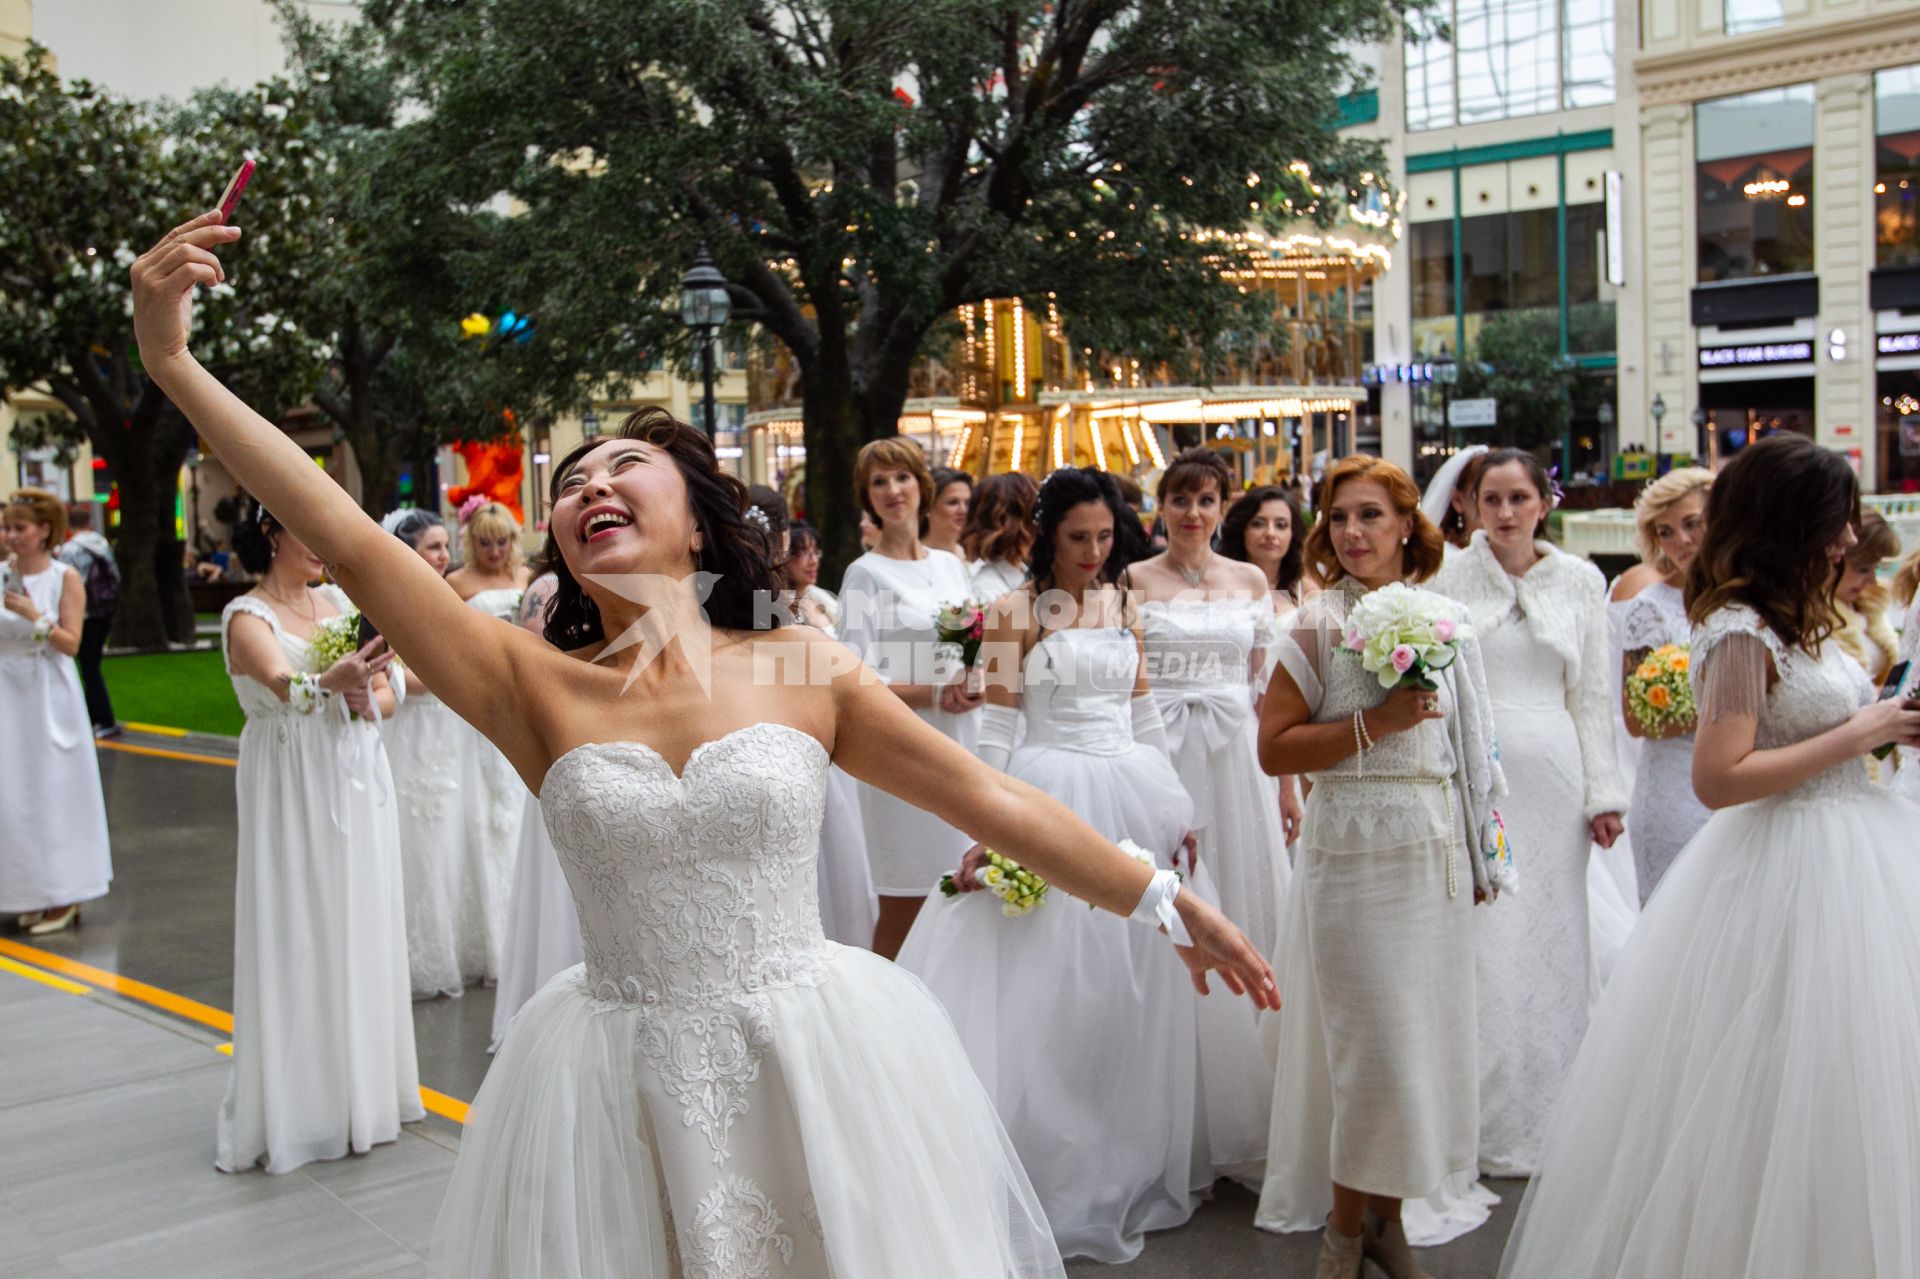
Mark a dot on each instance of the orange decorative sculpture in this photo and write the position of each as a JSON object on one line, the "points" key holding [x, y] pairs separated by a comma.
{"points": [[495, 469]]}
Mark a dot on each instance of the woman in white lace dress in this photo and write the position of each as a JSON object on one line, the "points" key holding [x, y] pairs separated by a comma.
{"points": [[1124, 1095], [543, 927], [1208, 621], [1747, 1101], [54, 851], [1540, 616], [323, 1056], [1375, 1097], [888, 601], [719, 1090], [446, 929], [1670, 518]]}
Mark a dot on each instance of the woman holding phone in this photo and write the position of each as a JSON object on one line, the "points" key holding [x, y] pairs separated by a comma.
{"points": [[716, 1068]]}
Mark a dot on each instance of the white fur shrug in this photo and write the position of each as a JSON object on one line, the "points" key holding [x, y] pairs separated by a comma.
{"points": [[1563, 602]]}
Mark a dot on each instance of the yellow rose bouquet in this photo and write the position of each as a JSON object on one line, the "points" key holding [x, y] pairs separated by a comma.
{"points": [[1659, 692]]}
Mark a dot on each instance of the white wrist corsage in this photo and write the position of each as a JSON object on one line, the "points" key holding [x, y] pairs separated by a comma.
{"points": [[303, 692], [42, 628]]}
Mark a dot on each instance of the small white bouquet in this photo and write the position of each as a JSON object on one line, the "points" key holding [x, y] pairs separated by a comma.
{"points": [[333, 640], [1402, 636]]}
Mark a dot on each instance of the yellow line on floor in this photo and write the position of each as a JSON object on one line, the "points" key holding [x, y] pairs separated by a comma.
{"points": [[45, 979], [165, 1000], [154, 730], [159, 753]]}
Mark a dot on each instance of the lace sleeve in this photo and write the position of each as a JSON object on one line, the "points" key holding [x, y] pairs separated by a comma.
{"points": [[1732, 676], [1644, 626]]}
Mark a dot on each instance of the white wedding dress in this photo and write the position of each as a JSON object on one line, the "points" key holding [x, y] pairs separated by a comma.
{"points": [[53, 837], [888, 611], [720, 1092], [1747, 1100], [1666, 813], [1126, 1094], [1202, 662], [323, 1053]]}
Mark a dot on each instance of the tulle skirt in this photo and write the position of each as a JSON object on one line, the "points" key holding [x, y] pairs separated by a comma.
{"points": [[1747, 1101], [864, 1148], [1126, 1094]]}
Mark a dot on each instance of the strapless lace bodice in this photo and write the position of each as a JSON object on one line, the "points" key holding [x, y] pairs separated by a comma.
{"points": [[1811, 695], [695, 892], [1077, 690]]}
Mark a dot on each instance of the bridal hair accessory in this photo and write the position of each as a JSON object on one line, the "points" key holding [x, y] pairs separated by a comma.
{"points": [[468, 507], [758, 518]]}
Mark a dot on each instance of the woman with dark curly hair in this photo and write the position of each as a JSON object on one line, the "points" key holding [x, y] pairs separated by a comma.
{"points": [[1777, 963], [1124, 1096], [716, 1064]]}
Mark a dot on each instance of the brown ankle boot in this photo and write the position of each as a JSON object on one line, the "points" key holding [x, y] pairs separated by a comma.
{"points": [[1385, 1245], [1341, 1256]]}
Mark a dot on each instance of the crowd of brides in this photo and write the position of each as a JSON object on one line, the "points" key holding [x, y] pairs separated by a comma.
{"points": [[802, 974]]}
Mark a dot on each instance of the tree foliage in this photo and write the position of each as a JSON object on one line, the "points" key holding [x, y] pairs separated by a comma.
{"points": [[862, 167], [1516, 360], [91, 180]]}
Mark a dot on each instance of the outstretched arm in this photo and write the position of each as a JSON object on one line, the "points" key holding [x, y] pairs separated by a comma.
{"points": [[466, 657], [895, 751]]}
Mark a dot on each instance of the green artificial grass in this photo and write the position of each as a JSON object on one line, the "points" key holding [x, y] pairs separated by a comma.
{"points": [[174, 690]]}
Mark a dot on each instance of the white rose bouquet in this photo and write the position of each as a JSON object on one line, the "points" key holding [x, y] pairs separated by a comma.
{"points": [[1402, 636], [334, 639]]}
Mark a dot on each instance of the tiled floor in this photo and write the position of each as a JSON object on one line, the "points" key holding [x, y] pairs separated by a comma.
{"points": [[107, 1109]]}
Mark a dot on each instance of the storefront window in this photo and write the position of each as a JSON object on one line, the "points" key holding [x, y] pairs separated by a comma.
{"points": [[1755, 184], [1744, 16], [1896, 225], [1510, 58]]}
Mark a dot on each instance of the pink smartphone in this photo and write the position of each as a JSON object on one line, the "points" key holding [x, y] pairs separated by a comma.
{"points": [[230, 198]]}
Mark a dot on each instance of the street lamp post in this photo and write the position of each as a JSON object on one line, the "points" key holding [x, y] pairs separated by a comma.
{"points": [[1446, 372], [704, 307], [590, 424], [1702, 441], [1659, 410]]}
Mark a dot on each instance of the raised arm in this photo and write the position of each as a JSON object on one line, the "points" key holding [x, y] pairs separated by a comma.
{"points": [[467, 658], [901, 755]]}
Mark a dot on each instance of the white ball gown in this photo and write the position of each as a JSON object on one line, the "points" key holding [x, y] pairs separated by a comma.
{"points": [[323, 1057], [887, 613], [1747, 1101], [1126, 1094], [1201, 655], [719, 1091], [543, 928], [452, 897], [1543, 636], [1666, 813], [53, 839]]}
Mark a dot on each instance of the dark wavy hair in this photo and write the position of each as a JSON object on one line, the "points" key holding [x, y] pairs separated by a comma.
{"points": [[1773, 513], [253, 531], [735, 550], [1536, 475], [1075, 486], [1233, 531], [1000, 521]]}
